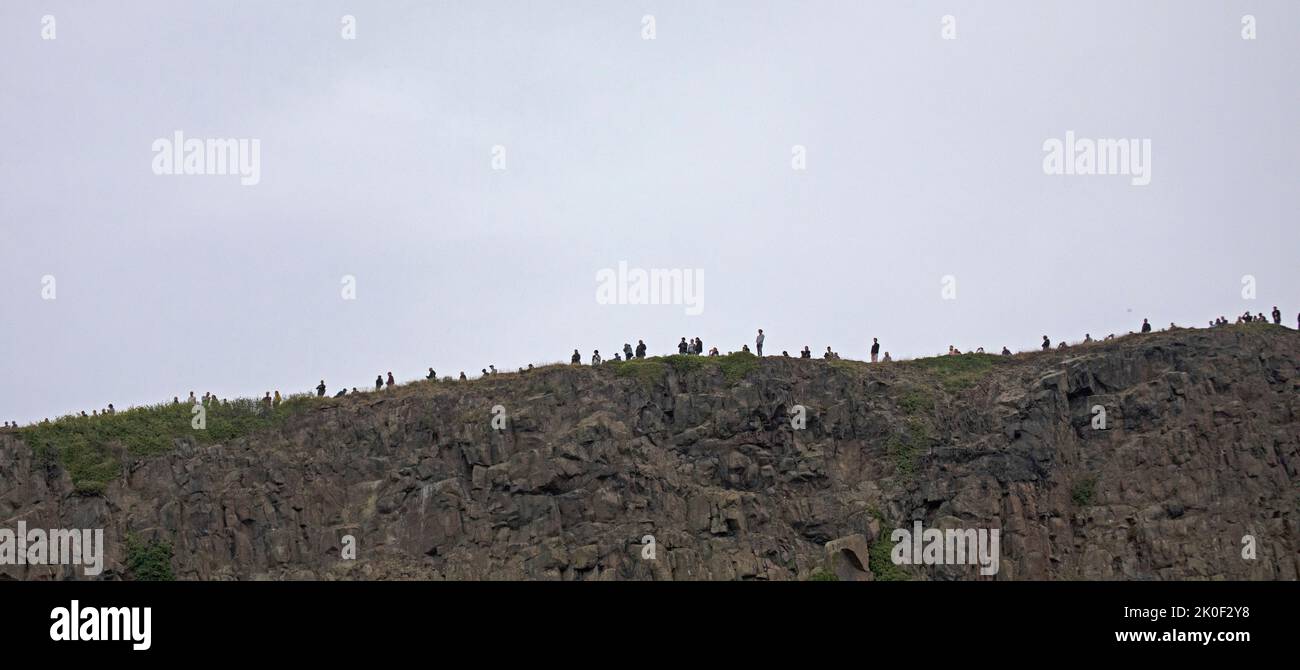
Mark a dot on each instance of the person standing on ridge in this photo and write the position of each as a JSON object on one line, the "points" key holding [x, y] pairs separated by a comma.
{"points": [[627, 351], [1146, 327], [433, 376], [758, 342], [276, 401], [577, 358], [875, 349], [595, 357], [266, 401], [390, 379], [1277, 316], [1047, 344], [379, 382], [320, 389], [681, 346], [640, 349]]}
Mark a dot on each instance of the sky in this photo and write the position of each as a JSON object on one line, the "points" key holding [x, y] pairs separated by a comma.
{"points": [[445, 188]]}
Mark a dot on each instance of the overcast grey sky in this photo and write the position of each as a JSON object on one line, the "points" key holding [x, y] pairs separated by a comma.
{"points": [[924, 158]]}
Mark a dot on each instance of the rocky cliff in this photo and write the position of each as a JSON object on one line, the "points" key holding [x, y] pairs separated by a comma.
{"points": [[707, 456]]}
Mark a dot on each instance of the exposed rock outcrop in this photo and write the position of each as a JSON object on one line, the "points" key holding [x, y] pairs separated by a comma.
{"points": [[1200, 449]]}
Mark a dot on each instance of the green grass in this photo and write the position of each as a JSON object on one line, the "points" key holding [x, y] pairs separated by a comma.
{"points": [[84, 445], [821, 574], [957, 372], [149, 561], [882, 565], [91, 466], [683, 363], [647, 371], [651, 371], [1083, 491], [916, 400], [736, 366], [904, 448]]}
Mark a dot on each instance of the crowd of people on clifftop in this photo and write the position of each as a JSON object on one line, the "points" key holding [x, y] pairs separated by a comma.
{"points": [[687, 347]]}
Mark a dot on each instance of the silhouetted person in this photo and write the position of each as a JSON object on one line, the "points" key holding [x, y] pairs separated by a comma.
{"points": [[785, 353], [1061, 345], [577, 358], [320, 389], [681, 346], [266, 401], [829, 354], [1006, 351], [84, 415], [640, 349], [627, 351], [390, 379], [745, 349], [111, 410], [276, 401], [1047, 344], [354, 390], [432, 375], [806, 353], [341, 393], [875, 349], [595, 356], [714, 352], [1277, 316], [617, 356], [484, 370], [193, 400], [462, 376], [887, 358], [1087, 338], [1146, 327], [379, 382], [758, 342]]}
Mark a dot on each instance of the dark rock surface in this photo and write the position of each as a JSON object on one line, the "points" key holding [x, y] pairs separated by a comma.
{"points": [[1201, 449]]}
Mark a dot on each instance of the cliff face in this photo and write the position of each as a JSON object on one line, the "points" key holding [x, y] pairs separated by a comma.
{"points": [[1200, 449]]}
